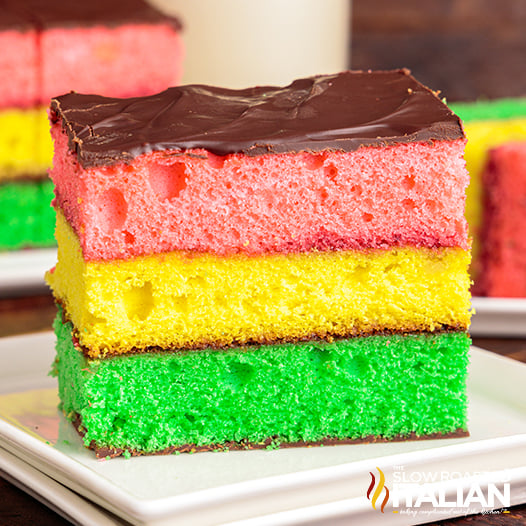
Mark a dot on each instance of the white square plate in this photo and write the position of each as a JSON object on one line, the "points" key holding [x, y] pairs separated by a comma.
{"points": [[288, 486]]}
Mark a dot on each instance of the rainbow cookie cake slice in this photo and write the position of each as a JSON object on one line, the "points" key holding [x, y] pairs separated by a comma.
{"points": [[261, 267]]}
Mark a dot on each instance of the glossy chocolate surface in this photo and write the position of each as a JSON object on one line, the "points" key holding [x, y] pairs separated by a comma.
{"points": [[11, 19], [46, 14], [340, 112]]}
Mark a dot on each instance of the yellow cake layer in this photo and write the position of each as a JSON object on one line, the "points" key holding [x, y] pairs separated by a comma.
{"points": [[483, 135], [25, 143], [184, 300]]}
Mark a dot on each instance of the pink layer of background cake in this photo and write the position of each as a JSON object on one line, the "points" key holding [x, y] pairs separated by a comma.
{"points": [[120, 62], [18, 67], [503, 235], [203, 202]]}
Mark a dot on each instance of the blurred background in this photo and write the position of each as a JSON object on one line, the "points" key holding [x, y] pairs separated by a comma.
{"points": [[241, 43], [466, 48]]}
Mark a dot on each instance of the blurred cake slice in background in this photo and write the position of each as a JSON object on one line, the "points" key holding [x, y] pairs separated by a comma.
{"points": [[487, 124]]}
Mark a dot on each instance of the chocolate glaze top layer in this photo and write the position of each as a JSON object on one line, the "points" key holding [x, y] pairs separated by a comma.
{"points": [[340, 112], [11, 19], [46, 14]]}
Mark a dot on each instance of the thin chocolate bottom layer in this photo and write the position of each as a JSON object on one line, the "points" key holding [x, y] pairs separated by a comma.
{"points": [[269, 443], [25, 178]]}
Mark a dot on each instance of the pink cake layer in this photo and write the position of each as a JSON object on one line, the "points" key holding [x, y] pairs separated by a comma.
{"points": [[115, 61], [124, 61], [410, 194], [503, 238], [18, 68]]}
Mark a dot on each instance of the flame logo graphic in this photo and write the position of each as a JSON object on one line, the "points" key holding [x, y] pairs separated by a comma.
{"points": [[378, 490]]}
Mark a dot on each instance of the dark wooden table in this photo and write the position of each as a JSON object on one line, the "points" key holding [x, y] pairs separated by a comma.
{"points": [[35, 313]]}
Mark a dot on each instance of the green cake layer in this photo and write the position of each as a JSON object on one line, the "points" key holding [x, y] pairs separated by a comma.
{"points": [[26, 215], [378, 386]]}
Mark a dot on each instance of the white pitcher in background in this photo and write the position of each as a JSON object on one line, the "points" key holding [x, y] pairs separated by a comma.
{"points": [[242, 43]]}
